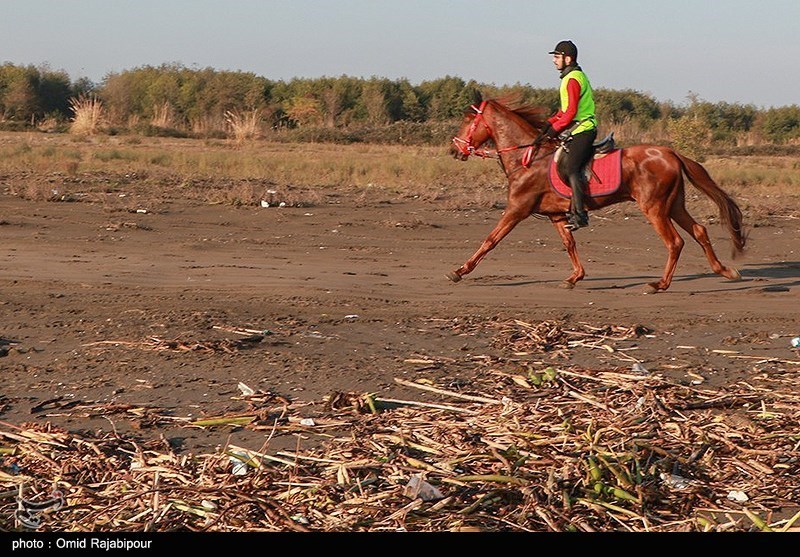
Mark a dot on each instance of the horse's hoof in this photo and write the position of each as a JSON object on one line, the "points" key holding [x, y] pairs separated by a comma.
{"points": [[455, 277], [567, 285], [651, 289], [737, 276]]}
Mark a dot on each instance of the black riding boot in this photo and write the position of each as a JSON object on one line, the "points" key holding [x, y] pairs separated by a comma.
{"points": [[578, 216]]}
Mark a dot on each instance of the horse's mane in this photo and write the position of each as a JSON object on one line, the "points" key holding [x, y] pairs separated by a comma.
{"points": [[534, 115]]}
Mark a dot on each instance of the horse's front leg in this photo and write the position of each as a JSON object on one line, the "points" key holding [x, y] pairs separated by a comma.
{"points": [[569, 242], [508, 221]]}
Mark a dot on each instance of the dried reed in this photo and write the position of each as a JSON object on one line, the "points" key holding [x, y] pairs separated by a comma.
{"points": [[244, 125], [89, 115], [553, 449], [163, 116]]}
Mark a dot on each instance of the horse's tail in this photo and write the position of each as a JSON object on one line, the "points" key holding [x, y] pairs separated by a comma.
{"points": [[729, 211]]}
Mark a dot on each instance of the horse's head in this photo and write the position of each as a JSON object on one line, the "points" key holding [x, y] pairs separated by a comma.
{"points": [[473, 133]]}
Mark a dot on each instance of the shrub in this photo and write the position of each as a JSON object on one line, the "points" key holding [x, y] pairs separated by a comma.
{"points": [[688, 135]]}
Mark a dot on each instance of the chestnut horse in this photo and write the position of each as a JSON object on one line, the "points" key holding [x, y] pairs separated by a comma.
{"points": [[652, 176]]}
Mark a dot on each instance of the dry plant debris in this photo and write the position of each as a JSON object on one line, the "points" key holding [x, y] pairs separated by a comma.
{"points": [[212, 346], [581, 450]]}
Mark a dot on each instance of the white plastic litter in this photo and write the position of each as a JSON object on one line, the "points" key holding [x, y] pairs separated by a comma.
{"points": [[675, 481], [738, 496], [417, 488], [246, 391], [239, 463], [639, 368]]}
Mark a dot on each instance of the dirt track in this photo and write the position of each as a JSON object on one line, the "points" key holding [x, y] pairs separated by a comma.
{"points": [[102, 306]]}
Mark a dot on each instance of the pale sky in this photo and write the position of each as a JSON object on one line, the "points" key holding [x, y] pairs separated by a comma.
{"points": [[736, 51]]}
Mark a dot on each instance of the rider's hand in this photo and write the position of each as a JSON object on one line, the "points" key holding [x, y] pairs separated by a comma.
{"points": [[544, 133]]}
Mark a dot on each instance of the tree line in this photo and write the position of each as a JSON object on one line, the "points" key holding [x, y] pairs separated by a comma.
{"points": [[174, 100]]}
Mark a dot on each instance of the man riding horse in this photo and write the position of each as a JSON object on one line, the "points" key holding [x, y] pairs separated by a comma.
{"points": [[575, 123]]}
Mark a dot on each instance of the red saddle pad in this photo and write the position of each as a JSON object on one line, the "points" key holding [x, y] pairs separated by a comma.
{"points": [[606, 176]]}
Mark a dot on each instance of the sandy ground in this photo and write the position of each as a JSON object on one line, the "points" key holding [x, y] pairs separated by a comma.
{"points": [[103, 306]]}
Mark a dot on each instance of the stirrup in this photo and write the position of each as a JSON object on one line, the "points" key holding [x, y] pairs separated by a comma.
{"points": [[576, 221]]}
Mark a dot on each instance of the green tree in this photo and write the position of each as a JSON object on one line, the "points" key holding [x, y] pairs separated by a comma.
{"points": [[54, 91], [448, 97], [338, 97], [82, 87], [373, 105], [782, 124], [18, 92], [124, 94], [304, 111], [191, 95], [411, 107], [626, 106]]}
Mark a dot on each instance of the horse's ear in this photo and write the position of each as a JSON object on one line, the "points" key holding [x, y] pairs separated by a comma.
{"points": [[473, 97], [477, 96]]}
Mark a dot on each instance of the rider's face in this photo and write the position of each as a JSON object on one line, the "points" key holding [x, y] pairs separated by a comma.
{"points": [[559, 61]]}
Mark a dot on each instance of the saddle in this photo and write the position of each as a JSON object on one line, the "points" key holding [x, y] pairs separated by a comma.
{"points": [[603, 170], [599, 149]]}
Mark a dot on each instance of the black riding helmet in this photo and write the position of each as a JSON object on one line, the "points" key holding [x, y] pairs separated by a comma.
{"points": [[567, 48]]}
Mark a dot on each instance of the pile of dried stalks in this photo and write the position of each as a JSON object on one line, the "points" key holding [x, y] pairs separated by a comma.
{"points": [[552, 450]]}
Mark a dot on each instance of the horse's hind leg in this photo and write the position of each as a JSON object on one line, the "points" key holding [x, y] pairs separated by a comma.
{"points": [[508, 221], [680, 215]]}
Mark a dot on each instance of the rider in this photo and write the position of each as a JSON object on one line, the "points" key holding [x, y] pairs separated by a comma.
{"points": [[575, 122]]}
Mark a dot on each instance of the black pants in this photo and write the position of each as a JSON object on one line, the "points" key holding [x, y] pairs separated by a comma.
{"points": [[578, 154], [580, 149]]}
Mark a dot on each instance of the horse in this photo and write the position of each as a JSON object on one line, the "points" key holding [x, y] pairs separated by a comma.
{"points": [[651, 175]]}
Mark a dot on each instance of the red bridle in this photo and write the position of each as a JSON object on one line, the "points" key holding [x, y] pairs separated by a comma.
{"points": [[465, 146]]}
